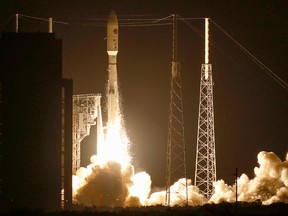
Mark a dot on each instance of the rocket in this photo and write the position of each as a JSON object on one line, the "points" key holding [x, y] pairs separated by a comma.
{"points": [[112, 50]]}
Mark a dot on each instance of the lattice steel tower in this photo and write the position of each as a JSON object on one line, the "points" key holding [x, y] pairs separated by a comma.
{"points": [[86, 108], [176, 162], [205, 170]]}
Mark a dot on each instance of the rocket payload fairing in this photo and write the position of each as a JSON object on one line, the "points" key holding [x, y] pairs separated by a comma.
{"points": [[112, 50]]}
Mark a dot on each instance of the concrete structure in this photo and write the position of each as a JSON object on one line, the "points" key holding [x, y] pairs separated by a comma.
{"points": [[35, 123]]}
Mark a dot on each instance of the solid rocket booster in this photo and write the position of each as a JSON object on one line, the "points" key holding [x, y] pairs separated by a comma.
{"points": [[112, 50]]}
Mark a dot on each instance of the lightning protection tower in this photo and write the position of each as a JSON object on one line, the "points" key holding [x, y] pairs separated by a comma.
{"points": [[205, 169], [176, 162]]}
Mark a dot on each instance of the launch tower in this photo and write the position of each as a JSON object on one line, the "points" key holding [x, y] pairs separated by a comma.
{"points": [[86, 108], [176, 162], [205, 169]]}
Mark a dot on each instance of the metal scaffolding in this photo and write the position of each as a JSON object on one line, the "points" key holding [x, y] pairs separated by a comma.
{"points": [[176, 162], [205, 171], [86, 108], [205, 167]]}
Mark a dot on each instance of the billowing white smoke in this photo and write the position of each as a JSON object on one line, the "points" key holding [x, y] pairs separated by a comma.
{"points": [[113, 185], [105, 185], [178, 195], [269, 185]]}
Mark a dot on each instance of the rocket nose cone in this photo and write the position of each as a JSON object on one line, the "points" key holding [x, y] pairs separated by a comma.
{"points": [[112, 34], [112, 19]]}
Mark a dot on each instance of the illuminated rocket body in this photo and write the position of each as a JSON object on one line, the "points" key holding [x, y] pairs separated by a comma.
{"points": [[112, 50]]}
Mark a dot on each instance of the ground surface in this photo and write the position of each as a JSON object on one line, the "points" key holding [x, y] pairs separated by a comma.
{"points": [[207, 210]]}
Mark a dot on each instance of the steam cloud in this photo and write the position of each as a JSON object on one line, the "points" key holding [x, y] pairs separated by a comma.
{"points": [[269, 185], [105, 185], [112, 185]]}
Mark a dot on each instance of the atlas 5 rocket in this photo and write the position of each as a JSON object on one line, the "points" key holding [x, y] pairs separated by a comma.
{"points": [[112, 50]]}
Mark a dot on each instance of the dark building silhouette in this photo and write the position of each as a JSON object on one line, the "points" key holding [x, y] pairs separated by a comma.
{"points": [[35, 123]]}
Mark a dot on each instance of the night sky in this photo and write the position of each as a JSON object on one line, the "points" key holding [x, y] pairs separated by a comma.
{"points": [[250, 107]]}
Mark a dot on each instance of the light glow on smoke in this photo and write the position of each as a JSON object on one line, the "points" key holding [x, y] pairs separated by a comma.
{"points": [[141, 186], [112, 185], [269, 185]]}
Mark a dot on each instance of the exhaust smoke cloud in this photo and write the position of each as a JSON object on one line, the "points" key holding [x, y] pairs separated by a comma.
{"points": [[113, 185], [269, 185]]}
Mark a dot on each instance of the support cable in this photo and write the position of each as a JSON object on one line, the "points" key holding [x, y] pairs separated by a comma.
{"points": [[156, 22], [268, 71], [274, 76], [42, 19]]}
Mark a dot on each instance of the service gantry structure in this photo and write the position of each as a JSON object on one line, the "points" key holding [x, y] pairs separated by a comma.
{"points": [[86, 108]]}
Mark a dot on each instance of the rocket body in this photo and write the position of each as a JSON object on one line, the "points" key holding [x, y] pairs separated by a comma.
{"points": [[112, 50], [115, 142], [112, 34]]}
